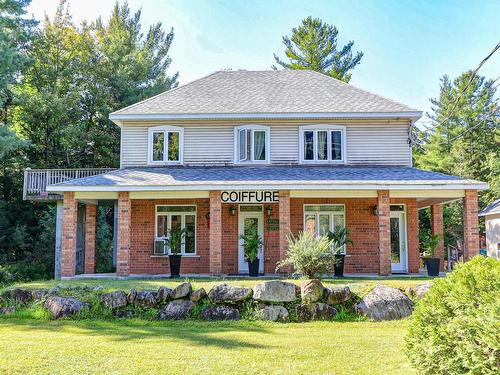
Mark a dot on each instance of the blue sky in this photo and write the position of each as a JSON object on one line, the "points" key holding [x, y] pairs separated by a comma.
{"points": [[408, 45]]}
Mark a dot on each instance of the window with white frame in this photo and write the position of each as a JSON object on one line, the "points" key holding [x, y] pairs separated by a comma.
{"points": [[165, 144], [170, 218], [322, 144], [323, 218], [251, 144]]}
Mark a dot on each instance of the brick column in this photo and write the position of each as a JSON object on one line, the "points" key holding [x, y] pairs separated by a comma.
{"points": [[412, 236], [437, 228], [68, 246], [124, 224], [471, 224], [384, 232], [215, 233], [90, 237], [284, 225]]}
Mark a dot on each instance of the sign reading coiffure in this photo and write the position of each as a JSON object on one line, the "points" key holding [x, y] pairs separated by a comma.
{"points": [[264, 196]]}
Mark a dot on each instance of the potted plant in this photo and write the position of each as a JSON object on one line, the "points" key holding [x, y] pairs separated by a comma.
{"points": [[252, 243], [339, 238], [431, 262], [174, 242]]}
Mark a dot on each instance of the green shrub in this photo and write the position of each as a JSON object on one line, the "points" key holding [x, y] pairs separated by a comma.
{"points": [[455, 328], [309, 254]]}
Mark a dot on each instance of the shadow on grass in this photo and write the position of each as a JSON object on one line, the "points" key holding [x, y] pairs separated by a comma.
{"points": [[197, 333]]}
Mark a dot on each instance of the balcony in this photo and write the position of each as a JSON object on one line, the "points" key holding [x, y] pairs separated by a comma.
{"points": [[36, 181]]}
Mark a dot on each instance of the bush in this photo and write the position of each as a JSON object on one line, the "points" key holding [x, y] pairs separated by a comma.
{"points": [[455, 328], [309, 254]]}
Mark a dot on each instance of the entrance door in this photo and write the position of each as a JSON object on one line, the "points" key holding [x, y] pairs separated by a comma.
{"points": [[399, 254], [249, 217], [80, 239]]}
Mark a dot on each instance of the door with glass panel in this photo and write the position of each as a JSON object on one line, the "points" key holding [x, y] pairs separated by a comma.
{"points": [[250, 218], [399, 253]]}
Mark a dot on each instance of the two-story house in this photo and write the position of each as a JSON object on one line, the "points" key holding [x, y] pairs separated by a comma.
{"points": [[282, 151]]}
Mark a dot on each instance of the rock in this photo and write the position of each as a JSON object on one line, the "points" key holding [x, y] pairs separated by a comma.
{"points": [[181, 291], [385, 303], [60, 307], [314, 311], [220, 313], [163, 294], [39, 294], [20, 296], [275, 291], [422, 289], [311, 291], [337, 295], [114, 300], [227, 293], [275, 313], [7, 310], [54, 291], [124, 313], [177, 309], [198, 295], [145, 298], [131, 296]]}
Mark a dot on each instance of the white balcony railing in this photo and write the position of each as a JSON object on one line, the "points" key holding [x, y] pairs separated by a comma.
{"points": [[36, 180]]}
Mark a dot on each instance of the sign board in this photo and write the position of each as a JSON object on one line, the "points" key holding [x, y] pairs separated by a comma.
{"points": [[259, 196], [273, 225]]}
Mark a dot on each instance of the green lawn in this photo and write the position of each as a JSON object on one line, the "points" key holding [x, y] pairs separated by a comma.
{"points": [[187, 347]]}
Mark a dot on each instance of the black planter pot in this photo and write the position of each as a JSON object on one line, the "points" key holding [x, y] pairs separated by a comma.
{"points": [[432, 265], [175, 265], [253, 268], [338, 267]]}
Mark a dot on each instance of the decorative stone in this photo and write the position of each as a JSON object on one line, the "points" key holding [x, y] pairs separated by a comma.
{"points": [[20, 296], [198, 295], [385, 303], [177, 309], [314, 311], [311, 291], [337, 295], [39, 294], [220, 313], [275, 313], [227, 293], [132, 296], [181, 291], [145, 298], [163, 294], [422, 289], [7, 310], [54, 291], [114, 300], [275, 291], [60, 307]]}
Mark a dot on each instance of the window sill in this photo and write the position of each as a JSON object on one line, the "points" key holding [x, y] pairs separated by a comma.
{"points": [[183, 255]]}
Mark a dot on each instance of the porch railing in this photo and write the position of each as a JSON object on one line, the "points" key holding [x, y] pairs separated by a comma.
{"points": [[36, 180]]}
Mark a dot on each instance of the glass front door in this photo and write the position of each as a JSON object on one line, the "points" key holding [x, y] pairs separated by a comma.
{"points": [[398, 242], [249, 220]]}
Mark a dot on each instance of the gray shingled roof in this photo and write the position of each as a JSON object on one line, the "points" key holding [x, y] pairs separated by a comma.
{"points": [[492, 209], [264, 92], [326, 176]]}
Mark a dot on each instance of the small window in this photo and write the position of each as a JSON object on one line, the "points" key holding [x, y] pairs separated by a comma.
{"points": [[321, 219], [322, 144], [165, 145], [170, 218], [252, 144]]}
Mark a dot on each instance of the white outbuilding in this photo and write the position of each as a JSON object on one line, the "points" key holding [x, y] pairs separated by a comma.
{"points": [[492, 225]]}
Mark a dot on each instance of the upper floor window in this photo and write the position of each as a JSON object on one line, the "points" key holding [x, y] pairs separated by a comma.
{"points": [[251, 144], [322, 144], [165, 145]]}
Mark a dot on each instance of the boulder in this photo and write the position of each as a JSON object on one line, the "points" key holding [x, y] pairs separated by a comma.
{"points": [[275, 291], [385, 303], [181, 291], [337, 295], [274, 313], [422, 289], [163, 294], [220, 313], [177, 309], [227, 293], [114, 300], [314, 311], [311, 291], [54, 291], [20, 296], [198, 295], [145, 298], [131, 296], [7, 310], [39, 294], [60, 307]]}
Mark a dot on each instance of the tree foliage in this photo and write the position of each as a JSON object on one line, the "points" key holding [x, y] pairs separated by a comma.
{"points": [[313, 46]]}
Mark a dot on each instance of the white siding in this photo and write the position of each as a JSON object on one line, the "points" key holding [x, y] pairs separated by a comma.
{"points": [[134, 146], [208, 144], [284, 144]]}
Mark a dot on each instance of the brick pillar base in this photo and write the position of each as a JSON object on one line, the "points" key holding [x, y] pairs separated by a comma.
{"points": [[437, 228], [124, 224], [384, 232], [284, 226], [215, 233], [68, 245], [412, 236], [90, 237], [471, 224]]}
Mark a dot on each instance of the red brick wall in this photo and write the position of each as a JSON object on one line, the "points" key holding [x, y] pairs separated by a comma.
{"points": [[471, 224], [437, 229], [68, 245], [90, 237], [124, 234]]}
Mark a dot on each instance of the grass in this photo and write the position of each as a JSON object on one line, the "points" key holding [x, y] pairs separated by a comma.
{"points": [[189, 347]]}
